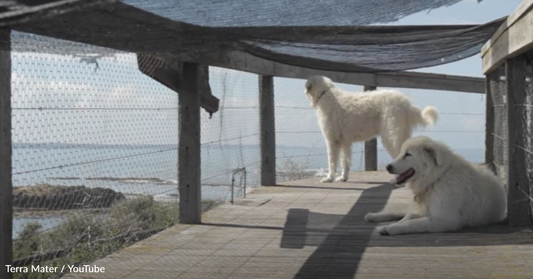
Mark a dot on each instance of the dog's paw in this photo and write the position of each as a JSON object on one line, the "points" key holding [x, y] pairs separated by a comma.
{"points": [[393, 180], [341, 179], [382, 230], [327, 179], [369, 217]]}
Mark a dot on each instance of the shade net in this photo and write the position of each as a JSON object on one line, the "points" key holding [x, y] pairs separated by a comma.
{"points": [[239, 13], [328, 35]]}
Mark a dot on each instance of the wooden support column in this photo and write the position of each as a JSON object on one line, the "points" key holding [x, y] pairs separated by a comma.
{"points": [[518, 210], [268, 130], [6, 187], [371, 147], [492, 82], [189, 156]]}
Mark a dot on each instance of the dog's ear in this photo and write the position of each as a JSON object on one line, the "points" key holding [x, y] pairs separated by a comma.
{"points": [[434, 155], [308, 86]]}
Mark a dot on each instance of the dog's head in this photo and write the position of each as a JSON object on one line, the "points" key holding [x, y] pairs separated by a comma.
{"points": [[316, 86], [418, 159]]}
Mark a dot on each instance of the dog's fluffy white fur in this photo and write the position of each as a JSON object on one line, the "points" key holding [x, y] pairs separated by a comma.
{"points": [[449, 192], [346, 118]]}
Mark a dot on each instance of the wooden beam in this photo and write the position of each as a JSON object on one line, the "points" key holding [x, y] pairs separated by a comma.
{"points": [[167, 72], [249, 63], [511, 39], [268, 130], [189, 155], [371, 147], [520, 11], [431, 81], [6, 186], [518, 207]]}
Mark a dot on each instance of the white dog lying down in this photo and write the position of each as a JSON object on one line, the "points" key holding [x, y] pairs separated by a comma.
{"points": [[449, 192], [351, 117]]}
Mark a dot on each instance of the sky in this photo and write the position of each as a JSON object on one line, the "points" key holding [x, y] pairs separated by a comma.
{"points": [[62, 99]]}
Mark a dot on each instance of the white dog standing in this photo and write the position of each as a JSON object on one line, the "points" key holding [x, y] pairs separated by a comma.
{"points": [[449, 192], [346, 118]]}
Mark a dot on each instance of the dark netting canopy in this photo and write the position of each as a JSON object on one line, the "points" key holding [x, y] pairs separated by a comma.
{"points": [[242, 13], [332, 35]]}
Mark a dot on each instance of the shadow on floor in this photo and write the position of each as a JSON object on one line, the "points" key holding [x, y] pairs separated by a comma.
{"points": [[341, 240]]}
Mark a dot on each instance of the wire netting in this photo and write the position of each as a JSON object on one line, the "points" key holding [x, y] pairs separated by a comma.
{"points": [[526, 125], [95, 146], [300, 146], [498, 90], [301, 150], [94, 155], [519, 79], [230, 139], [95, 150], [460, 124]]}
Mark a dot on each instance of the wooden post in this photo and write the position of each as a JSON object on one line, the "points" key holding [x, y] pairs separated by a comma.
{"points": [[268, 130], [189, 180], [518, 211], [492, 82], [6, 187], [371, 147]]}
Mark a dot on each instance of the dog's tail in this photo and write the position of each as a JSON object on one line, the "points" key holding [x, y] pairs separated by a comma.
{"points": [[427, 117], [430, 115]]}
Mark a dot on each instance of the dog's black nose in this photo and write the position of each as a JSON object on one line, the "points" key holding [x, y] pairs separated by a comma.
{"points": [[389, 168]]}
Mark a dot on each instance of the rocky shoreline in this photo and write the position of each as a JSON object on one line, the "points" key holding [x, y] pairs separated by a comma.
{"points": [[55, 197]]}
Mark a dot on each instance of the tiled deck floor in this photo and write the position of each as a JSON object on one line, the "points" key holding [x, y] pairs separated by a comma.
{"points": [[305, 229]]}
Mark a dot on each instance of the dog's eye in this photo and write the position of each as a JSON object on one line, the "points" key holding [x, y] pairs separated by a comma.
{"points": [[406, 155]]}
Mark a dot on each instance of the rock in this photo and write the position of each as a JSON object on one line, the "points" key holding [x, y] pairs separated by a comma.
{"points": [[52, 197]]}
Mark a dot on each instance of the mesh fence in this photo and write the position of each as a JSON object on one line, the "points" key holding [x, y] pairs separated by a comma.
{"points": [[525, 109], [511, 88], [519, 90], [300, 146], [497, 83], [94, 156], [461, 122], [95, 147], [230, 139], [301, 149]]}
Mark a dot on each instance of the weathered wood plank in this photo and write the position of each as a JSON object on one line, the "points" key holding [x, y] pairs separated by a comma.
{"points": [[267, 121], [371, 147], [431, 81], [6, 187], [189, 155], [512, 39], [517, 179], [520, 11], [524, 7]]}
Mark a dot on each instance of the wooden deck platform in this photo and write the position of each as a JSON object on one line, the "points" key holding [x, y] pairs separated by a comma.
{"points": [[305, 229]]}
